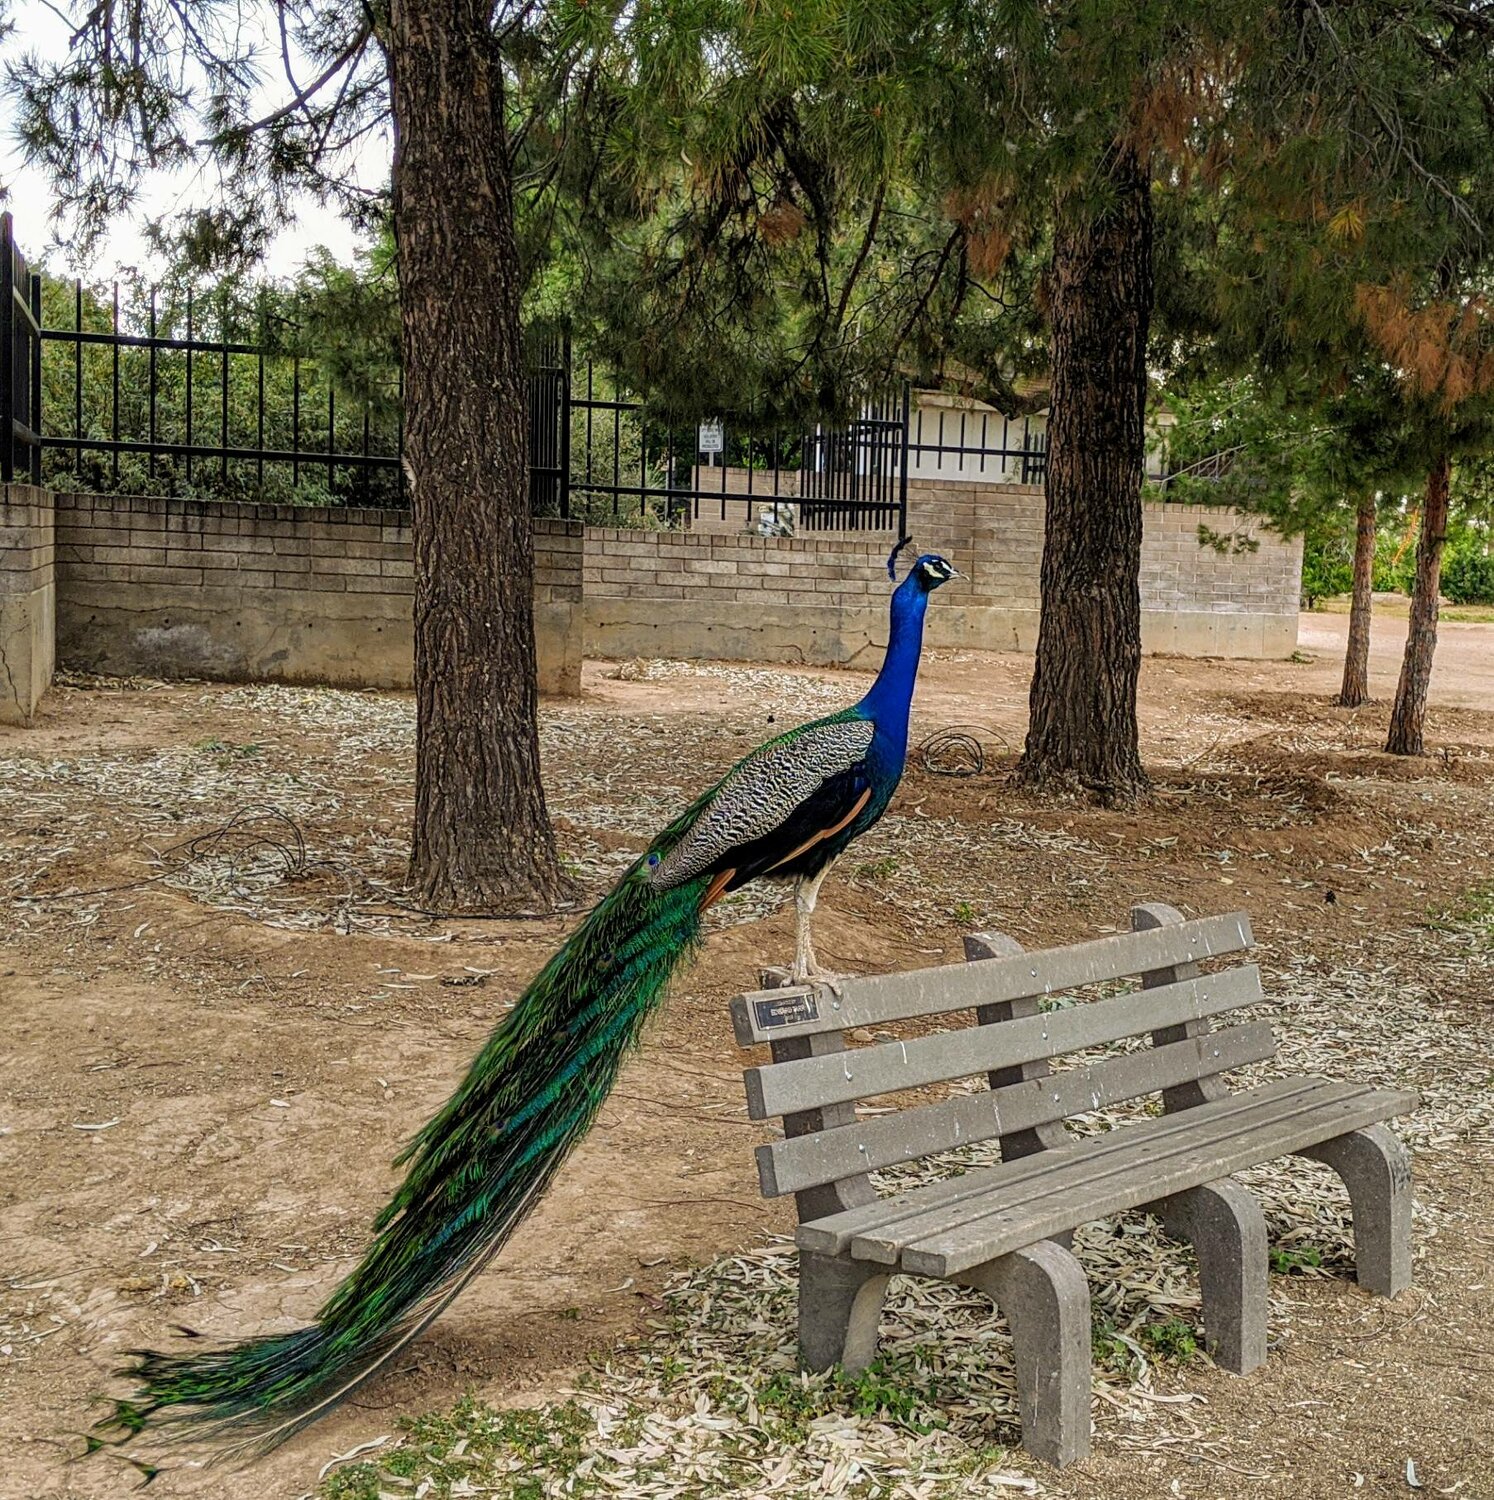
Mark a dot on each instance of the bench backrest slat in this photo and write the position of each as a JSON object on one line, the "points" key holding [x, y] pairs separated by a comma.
{"points": [[790, 1166], [861, 1073], [772, 1015]]}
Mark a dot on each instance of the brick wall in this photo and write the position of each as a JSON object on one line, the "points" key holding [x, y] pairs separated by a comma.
{"points": [[179, 588], [734, 568], [27, 600], [173, 588]]}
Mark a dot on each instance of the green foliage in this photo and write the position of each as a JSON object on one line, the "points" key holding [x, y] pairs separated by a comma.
{"points": [[1172, 1341], [329, 338], [1468, 570], [1296, 1260], [1327, 564], [886, 1391], [1395, 561], [1473, 911], [472, 1439]]}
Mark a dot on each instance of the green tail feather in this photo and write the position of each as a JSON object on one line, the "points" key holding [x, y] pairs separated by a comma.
{"points": [[474, 1171]]}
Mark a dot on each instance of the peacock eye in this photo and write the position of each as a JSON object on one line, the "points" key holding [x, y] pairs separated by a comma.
{"points": [[653, 859]]}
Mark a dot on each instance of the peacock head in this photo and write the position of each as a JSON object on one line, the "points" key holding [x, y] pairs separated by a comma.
{"points": [[927, 573], [931, 570]]}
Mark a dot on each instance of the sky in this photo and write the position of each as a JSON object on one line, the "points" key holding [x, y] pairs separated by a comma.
{"points": [[29, 197]]}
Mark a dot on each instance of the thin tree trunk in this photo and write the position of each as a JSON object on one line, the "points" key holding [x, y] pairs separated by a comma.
{"points": [[482, 837], [1355, 689], [1082, 720], [1408, 716]]}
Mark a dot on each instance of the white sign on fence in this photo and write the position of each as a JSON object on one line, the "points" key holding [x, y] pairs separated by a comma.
{"points": [[711, 439]]}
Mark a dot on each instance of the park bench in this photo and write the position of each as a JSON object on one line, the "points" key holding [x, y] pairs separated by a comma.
{"points": [[1006, 1228]]}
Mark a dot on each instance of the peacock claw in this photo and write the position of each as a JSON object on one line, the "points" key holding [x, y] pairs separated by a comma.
{"points": [[822, 977]]}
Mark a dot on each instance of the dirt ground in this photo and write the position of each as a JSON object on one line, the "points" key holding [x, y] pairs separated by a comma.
{"points": [[205, 1074]]}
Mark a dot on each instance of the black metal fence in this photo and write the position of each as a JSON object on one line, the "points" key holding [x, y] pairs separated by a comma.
{"points": [[973, 443], [20, 362], [204, 396]]}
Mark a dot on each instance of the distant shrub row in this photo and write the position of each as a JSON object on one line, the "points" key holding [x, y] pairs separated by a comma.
{"points": [[1467, 566]]}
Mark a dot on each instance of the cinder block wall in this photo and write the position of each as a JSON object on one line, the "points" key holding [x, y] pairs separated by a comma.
{"points": [[822, 599], [1195, 601], [27, 600], [184, 588], [734, 597], [181, 588]]}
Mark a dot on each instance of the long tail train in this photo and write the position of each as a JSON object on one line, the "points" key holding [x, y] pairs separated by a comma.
{"points": [[474, 1172]]}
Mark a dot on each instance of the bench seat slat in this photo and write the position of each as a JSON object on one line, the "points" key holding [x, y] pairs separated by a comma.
{"points": [[833, 1234], [1091, 1159], [1101, 1176], [774, 1015], [789, 1166], [1081, 1188], [791, 1087]]}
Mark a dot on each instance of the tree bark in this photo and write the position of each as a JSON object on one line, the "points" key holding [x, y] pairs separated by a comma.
{"points": [[1408, 716], [1082, 706], [1355, 689], [482, 837]]}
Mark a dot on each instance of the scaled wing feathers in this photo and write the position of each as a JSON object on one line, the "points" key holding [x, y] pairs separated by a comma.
{"points": [[760, 793]]}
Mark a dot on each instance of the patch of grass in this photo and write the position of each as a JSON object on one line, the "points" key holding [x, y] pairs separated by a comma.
{"points": [[1174, 1341], [228, 752], [964, 914], [878, 869], [1472, 911], [890, 1391], [1290, 1262], [533, 1448], [1398, 606]]}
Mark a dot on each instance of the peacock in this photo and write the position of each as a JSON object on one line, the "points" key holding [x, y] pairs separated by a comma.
{"points": [[475, 1170]]}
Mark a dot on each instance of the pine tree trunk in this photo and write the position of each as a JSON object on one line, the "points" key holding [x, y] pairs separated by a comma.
{"points": [[1355, 689], [1408, 716], [482, 837], [1082, 719]]}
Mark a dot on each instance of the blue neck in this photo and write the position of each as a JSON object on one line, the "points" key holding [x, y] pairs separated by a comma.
{"points": [[891, 694]]}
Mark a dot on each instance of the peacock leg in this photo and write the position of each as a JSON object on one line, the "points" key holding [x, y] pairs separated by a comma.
{"points": [[806, 965]]}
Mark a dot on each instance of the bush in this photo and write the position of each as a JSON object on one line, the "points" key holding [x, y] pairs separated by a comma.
{"points": [[1468, 572], [1393, 574], [1327, 567]]}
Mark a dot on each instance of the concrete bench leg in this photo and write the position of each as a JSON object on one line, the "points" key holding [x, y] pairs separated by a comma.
{"points": [[1376, 1169], [840, 1306], [1224, 1224], [1044, 1294]]}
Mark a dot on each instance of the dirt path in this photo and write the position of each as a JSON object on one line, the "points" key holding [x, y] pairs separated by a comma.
{"points": [[204, 1077]]}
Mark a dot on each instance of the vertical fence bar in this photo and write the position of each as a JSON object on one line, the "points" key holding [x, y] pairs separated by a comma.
{"points": [[114, 408], [7, 350], [616, 445], [399, 438], [590, 447], [565, 428], [331, 432], [367, 496], [259, 418], [902, 467], [35, 414], [150, 380], [223, 393], [296, 412], [642, 469], [189, 385], [78, 377]]}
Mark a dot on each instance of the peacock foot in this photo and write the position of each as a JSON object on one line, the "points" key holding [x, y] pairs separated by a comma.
{"points": [[826, 977]]}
